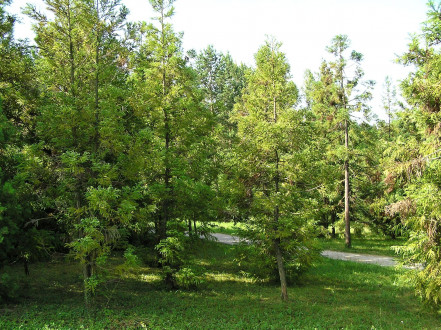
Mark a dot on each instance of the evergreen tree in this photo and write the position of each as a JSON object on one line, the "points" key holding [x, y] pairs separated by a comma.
{"points": [[271, 162], [413, 174], [167, 105], [335, 95], [82, 125], [19, 236]]}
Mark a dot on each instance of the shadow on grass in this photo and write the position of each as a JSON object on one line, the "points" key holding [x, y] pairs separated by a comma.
{"points": [[333, 294]]}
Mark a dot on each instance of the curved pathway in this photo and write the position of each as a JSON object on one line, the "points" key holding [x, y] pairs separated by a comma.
{"points": [[356, 257], [365, 258]]}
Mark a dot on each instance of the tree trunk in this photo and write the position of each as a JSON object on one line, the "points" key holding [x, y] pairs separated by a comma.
{"points": [[281, 268], [72, 70], [97, 76], [162, 228], [280, 265], [88, 272], [347, 219], [26, 266], [333, 219], [167, 173]]}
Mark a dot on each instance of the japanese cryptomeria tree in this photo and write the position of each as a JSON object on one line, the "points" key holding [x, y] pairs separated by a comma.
{"points": [[414, 173], [167, 104], [334, 96], [272, 162], [18, 235], [322, 99], [82, 125]]}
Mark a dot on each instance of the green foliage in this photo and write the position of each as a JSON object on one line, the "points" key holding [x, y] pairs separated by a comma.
{"points": [[83, 128], [90, 285], [110, 137], [171, 250], [176, 267], [131, 259], [272, 163], [335, 96], [221, 82], [413, 167], [188, 278], [21, 239], [9, 286], [174, 162]]}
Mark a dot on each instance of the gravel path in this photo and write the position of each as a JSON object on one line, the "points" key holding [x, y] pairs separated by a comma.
{"points": [[226, 239], [366, 258], [356, 257]]}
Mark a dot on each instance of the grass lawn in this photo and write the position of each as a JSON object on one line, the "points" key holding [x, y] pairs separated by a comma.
{"points": [[229, 228], [334, 294]]}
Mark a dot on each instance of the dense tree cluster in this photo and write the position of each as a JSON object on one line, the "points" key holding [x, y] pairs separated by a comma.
{"points": [[113, 137]]}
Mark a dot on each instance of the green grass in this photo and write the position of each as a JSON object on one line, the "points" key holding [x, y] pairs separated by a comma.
{"points": [[229, 228], [368, 245], [334, 294]]}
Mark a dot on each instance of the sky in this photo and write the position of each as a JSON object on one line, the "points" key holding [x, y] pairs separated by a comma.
{"points": [[379, 29]]}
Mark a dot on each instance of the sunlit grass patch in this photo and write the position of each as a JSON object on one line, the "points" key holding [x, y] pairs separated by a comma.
{"points": [[334, 294], [229, 228], [149, 277]]}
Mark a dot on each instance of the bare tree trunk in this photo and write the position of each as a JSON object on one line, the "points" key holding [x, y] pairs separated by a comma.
{"points": [[280, 264], [347, 219], [165, 203]]}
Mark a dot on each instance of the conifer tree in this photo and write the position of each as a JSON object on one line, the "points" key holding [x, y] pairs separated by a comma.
{"points": [[167, 104], [271, 149], [82, 125], [338, 93], [414, 170], [18, 235]]}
